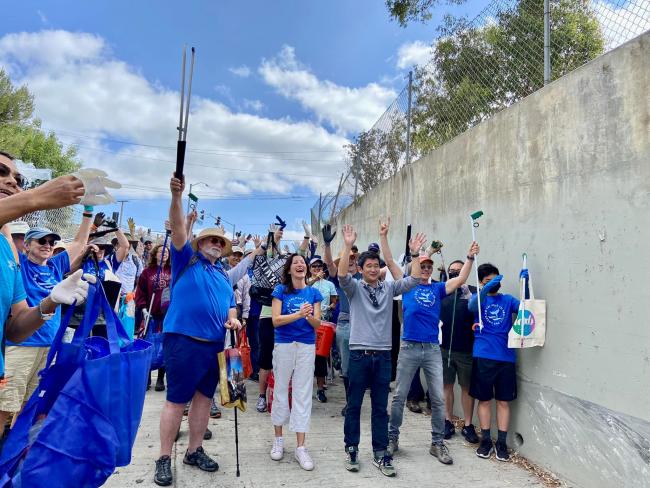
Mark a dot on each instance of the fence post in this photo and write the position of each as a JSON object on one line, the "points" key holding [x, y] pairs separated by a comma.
{"points": [[547, 42], [355, 165], [408, 120]]}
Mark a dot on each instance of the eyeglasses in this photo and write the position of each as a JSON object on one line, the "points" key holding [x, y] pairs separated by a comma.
{"points": [[43, 240], [21, 180], [218, 240], [426, 266]]}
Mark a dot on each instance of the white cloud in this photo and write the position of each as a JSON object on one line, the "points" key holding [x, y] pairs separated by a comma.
{"points": [[42, 17], [413, 53], [255, 105], [346, 109], [621, 24], [87, 96], [242, 71]]}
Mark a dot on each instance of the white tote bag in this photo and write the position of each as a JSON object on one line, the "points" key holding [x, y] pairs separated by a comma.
{"points": [[532, 313]]}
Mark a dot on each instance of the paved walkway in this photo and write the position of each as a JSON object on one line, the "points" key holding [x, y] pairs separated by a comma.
{"points": [[415, 466]]}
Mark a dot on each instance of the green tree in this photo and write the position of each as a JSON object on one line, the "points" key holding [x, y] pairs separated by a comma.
{"points": [[23, 136], [477, 70], [405, 11]]}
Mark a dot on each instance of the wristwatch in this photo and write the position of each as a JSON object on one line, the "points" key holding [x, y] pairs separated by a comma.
{"points": [[471, 258], [45, 316]]}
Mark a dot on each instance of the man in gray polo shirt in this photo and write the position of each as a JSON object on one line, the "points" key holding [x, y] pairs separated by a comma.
{"points": [[371, 301]]}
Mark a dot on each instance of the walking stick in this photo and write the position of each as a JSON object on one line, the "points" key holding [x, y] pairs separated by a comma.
{"points": [[233, 344], [184, 118], [155, 283]]}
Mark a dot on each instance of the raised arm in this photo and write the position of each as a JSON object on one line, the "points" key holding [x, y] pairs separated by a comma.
{"points": [[415, 244], [328, 237], [349, 236], [78, 246], [394, 269], [454, 283], [123, 244], [176, 217]]}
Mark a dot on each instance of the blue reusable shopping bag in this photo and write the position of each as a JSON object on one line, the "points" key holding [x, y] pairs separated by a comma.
{"points": [[154, 335], [82, 420]]}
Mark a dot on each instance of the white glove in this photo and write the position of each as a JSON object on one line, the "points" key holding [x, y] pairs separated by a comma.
{"points": [[306, 227], [72, 288], [95, 183]]}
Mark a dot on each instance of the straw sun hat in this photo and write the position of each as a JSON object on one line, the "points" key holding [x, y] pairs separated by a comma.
{"points": [[213, 232]]}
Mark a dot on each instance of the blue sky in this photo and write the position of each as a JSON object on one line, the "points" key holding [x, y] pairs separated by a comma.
{"points": [[279, 87]]}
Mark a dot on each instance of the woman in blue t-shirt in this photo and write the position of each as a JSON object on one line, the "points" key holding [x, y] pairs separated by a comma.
{"points": [[296, 315]]}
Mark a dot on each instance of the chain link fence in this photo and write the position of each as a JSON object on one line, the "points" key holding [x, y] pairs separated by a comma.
{"points": [[479, 67]]}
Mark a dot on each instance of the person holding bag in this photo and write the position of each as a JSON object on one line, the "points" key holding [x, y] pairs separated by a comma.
{"points": [[296, 314]]}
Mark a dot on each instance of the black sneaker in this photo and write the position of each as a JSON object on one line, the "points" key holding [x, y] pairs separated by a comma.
{"points": [[485, 449], [320, 394], [469, 433], [450, 430], [163, 476], [502, 451], [201, 459], [385, 465], [207, 435], [352, 459], [160, 386]]}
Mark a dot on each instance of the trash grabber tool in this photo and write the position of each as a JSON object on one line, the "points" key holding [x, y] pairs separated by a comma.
{"points": [[474, 221], [184, 117]]}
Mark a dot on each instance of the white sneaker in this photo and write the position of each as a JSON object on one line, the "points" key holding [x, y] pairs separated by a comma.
{"points": [[277, 451], [303, 457]]}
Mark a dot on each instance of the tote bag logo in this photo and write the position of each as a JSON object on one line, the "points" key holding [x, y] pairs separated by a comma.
{"points": [[528, 321]]}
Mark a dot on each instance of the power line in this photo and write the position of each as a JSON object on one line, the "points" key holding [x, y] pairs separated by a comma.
{"points": [[207, 196]]}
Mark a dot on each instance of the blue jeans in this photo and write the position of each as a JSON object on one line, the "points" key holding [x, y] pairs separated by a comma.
{"points": [[252, 332], [343, 342], [414, 355], [373, 371]]}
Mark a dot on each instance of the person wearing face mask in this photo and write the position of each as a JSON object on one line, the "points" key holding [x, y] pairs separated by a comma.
{"points": [[458, 340], [202, 307], [420, 349], [493, 367]]}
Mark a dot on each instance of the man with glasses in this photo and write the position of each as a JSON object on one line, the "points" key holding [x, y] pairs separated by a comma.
{"points": [[201, 309], [40, 273], [371, 342], [328, 290], [420, 349]]}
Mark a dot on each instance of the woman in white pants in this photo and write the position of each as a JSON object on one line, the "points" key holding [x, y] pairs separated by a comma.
{"points": [[295, 309]]}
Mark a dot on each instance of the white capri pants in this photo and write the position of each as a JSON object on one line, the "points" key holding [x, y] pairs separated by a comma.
{"points": [[293, 362]]}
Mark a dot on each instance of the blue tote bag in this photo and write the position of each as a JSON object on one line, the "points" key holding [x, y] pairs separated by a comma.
{"points": [[82, 420], [154, 335]]}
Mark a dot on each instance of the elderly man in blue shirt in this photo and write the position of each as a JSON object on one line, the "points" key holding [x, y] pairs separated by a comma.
{"points": [[202, 307]]}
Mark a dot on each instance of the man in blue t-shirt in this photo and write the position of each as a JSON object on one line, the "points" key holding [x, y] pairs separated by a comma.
{"points": [[420, 348], [493, 367], [202, 307]]}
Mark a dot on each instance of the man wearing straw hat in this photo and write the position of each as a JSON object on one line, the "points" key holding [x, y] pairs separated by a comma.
{"points": [[202, 307]]}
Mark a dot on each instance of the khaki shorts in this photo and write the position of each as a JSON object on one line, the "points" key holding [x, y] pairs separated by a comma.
{"points": [[22, 365], [460, 366]]}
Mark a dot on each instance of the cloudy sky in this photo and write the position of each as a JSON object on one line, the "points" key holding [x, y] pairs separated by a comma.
{"points": [[279, 88]]}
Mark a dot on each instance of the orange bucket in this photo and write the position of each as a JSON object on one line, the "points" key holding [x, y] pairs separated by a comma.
{"points": [[324, 338]]}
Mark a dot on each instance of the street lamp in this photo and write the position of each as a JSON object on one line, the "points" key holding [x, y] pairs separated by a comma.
{"points": [[191, 196]]}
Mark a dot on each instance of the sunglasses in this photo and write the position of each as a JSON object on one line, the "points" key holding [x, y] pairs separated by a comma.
{"points": [[44, 240], [426, 266], [21, 181], [218, 240], [316, 265]]}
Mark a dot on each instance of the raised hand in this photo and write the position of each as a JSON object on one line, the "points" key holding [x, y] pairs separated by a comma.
{"points": [[384, 226], [416, 243], [474, 249], [328, 235], [257, 240], [306, 228], [176, 186], [349, 235], [99, 219]]}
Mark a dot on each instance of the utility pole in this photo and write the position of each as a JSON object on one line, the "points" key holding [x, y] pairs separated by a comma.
{"points": [[408, 120], [547, 42], [121, 202]]}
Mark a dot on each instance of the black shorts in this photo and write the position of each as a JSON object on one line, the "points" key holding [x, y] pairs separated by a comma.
{"points": [[320, 366], [267, 343], [493, 379]]}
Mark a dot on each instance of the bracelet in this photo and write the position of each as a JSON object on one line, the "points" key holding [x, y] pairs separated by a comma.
{"points": [[88, 208], [88, 215], [307, 237], [471, 258], [45, 316]]}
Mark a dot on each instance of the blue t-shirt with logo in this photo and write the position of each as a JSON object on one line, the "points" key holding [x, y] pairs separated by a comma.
{"points": [[200, 298], [492, 342], [11, 288], [300, 330], [421, 307], [39, 281]]}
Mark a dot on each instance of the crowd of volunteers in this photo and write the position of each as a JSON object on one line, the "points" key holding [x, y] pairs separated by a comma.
{"points": [[397, 319]]}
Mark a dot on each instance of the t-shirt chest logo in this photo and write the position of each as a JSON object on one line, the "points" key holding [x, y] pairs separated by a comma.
{"points": [[494, 314], [425, 297], [44, 280], [294, 303], [11, 264]]}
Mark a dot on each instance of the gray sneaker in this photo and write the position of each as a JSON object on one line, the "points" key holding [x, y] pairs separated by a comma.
{"points": [[393, 446], [261, 404], [352, 459], [385, 465], [441, 452]]}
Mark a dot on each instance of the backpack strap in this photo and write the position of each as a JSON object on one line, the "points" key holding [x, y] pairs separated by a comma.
{"points": [[193, 260]]}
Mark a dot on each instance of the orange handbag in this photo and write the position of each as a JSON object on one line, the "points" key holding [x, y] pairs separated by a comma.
{"points": [[245, 353]]}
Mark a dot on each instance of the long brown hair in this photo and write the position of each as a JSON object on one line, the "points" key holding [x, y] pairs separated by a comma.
{"points": [[153, 261], [286, 272]]}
